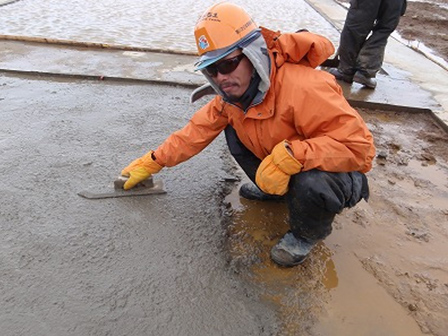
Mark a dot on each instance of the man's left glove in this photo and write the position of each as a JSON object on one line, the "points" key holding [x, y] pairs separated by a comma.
{"points": [[140, 169], [275, 170]]}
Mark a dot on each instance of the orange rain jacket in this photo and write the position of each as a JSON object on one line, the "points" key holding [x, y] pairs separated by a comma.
{"points": [[303, 105]]}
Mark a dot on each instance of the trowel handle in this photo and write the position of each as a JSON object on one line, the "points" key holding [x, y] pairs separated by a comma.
{"points": [[121, 180]]}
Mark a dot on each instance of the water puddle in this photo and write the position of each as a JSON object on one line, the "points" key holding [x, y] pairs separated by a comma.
{"points": [[330, 294]]}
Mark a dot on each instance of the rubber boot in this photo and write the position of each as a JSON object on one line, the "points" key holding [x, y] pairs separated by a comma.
{"points": [[291, 251], [340, 75], [365, 80], [251, 192]]}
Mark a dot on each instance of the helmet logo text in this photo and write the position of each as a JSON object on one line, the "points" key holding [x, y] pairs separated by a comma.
{"points": [[212, 16], [244, 27]]}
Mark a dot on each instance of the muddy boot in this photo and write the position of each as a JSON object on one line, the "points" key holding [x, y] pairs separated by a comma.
{"points": [[340, 75], [290, 251], [367, 81], [251, 192]]}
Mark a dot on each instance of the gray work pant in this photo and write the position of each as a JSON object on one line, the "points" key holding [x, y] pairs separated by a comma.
{"points": [[314, 197], [359, 51]]}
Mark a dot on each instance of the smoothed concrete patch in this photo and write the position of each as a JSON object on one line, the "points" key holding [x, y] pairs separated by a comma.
{"points": [[123, 266]]}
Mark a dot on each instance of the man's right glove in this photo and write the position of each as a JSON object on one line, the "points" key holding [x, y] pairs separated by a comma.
{"points": [[140, 169], [275, 170]]}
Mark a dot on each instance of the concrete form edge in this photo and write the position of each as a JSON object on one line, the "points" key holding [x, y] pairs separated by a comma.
{"points": [[399, 109], [7, 2], [99, 78], [95, 45]]}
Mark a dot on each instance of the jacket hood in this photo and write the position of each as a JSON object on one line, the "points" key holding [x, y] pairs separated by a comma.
{"points": [[302, 47], [257, 53]]}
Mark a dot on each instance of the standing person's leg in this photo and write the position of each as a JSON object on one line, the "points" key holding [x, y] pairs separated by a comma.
{"points": [[371, 56], [358, 25], [314, 198], [249, 163]]}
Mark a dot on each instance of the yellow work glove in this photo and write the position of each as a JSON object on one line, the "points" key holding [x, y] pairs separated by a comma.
{"points": [[275, 170], [140, 169]]}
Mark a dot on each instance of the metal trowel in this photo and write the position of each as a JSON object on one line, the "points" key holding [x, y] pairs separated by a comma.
{"points": [[147, 187]]}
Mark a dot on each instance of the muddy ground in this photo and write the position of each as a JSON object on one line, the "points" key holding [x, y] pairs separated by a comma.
{"points": [[398, 237], [404, 229], [427, 22]]}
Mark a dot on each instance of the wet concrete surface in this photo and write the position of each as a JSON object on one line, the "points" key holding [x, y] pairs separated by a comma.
{"points": [[97, 62], [129, 266], [43, 58], [152, 265], [148, 23]]}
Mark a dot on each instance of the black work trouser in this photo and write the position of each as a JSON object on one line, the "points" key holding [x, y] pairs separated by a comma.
{"points": [[357, 50], [314, 197]]}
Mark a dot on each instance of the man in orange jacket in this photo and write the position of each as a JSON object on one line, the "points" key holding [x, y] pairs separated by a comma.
{"points": [[287, 125]]}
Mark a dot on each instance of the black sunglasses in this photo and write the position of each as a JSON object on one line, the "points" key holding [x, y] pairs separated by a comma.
{"points": [[224, 67]]}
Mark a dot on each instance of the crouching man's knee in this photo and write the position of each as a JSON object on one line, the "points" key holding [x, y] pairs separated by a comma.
{"points": [[330, 191]]}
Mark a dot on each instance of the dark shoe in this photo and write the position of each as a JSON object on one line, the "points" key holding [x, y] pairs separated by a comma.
{"points": [[360, 78], [290, 251], [340, 75], [251, 192]]}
